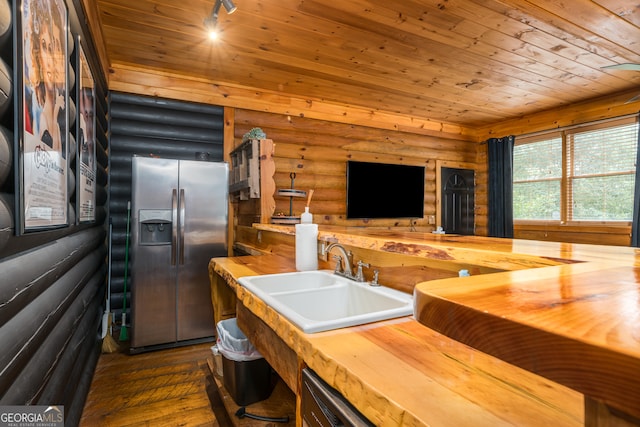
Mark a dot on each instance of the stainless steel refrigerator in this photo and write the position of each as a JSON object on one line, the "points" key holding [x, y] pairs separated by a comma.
{"points": [[178, 223]]}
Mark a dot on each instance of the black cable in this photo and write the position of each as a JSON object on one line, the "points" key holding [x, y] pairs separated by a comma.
{"points": [[242, 412]]}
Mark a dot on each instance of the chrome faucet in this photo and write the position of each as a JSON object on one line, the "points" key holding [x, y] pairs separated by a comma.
{"points": [[345, 259], [359, 274]]}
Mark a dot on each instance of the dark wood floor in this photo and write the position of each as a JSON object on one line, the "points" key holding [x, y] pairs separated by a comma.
{"points": [[162, 388]]}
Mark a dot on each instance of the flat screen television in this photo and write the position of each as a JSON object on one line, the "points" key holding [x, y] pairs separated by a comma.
{"points": [[381, 190]]}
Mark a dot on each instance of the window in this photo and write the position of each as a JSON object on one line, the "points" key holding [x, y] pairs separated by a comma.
{"points": [[537, 179], [580, 174]]}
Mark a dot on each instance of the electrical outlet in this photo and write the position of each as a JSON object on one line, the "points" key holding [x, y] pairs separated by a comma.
{"points": [[432, 219]]}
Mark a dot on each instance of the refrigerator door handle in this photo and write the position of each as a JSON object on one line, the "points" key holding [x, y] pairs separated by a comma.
{"points": [[183, 204], [174, 225]]}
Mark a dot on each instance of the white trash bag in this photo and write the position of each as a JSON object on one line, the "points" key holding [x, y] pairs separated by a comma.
{"points": [[233, 344]]}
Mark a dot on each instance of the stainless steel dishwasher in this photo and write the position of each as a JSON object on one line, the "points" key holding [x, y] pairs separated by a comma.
{"points": [[323, 406]]}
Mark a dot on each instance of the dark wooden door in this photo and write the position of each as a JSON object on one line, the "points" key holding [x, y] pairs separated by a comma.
{"points": [[458, 201]]}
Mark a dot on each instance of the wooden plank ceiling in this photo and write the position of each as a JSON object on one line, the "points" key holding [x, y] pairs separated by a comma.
{"points": [[468, 62]]}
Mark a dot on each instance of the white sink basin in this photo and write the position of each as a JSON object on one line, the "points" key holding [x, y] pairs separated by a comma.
{"points": [[286, 282], [317, 301]]}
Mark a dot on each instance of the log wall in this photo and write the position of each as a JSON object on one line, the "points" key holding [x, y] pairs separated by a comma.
{"points": [[317, 151], [144, 126], [52, 283]]}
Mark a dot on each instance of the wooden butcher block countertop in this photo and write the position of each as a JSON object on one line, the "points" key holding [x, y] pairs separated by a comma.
{"points": [[400, 372], [497, 253], [578, 325]]}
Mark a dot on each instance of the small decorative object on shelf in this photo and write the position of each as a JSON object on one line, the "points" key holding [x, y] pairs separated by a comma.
{"points": [[255, 133], [281, 218]]}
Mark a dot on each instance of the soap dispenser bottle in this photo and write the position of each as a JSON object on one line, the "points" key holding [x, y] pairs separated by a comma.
{"points": [[306, 242]]}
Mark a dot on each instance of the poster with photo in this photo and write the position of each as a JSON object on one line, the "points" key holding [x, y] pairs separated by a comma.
{"points": [[44, 120], [86, 142]]}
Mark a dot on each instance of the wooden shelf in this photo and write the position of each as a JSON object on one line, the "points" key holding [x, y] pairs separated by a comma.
{"points": [[291, 192], [282, 219]]}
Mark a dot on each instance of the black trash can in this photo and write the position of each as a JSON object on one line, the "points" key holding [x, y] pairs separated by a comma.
{"points": [[246, 375]]}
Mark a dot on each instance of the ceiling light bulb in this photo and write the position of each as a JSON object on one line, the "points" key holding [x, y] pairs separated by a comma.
{"points": [[229, 6]]}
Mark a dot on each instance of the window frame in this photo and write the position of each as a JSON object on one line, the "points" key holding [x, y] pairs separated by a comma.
{"points": [[566, 180]]}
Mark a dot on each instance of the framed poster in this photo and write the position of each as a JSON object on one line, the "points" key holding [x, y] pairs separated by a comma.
{"points": [[42, 124], [86, 156]]}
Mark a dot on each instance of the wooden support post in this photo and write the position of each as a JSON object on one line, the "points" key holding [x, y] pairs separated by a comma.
{"points": [[267, 183], [223, 299]]}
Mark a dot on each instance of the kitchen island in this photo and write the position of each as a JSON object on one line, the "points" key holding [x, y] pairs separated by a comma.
{"points": [[401, 372]]}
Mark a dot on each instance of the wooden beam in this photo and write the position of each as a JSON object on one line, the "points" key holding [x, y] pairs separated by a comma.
{"points": [[92, 15], [228, 145], [134, 79], [582, 112]]}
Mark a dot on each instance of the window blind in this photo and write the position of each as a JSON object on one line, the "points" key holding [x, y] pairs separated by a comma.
{"points": [[537, 178], [582, 173], [601, 172]]}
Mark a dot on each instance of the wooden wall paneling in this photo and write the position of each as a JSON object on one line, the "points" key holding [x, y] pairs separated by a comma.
{"points": [[264, 242], [586, 233], [246, 213], [317, 151], [138, 80], [482, 192], [300, 130]]}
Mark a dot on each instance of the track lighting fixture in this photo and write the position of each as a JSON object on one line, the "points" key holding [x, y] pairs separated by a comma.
{"points": [[211, 22], [229, 6]]}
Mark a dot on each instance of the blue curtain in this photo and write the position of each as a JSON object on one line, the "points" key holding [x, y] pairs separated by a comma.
{"points": [[501, 186], [635, 225]]}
